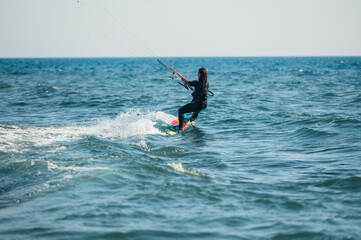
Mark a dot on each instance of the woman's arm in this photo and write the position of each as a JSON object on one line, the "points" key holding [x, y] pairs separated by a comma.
{"points": [[185, 81]]}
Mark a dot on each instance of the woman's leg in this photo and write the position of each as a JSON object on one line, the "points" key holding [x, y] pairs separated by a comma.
{"points": [[195, 115], [185, 109]]}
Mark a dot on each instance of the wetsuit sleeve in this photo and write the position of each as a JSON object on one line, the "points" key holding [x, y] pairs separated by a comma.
{"points": [[193, 83]]}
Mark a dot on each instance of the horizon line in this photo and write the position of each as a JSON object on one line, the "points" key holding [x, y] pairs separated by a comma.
{"points": [[105, 57]]}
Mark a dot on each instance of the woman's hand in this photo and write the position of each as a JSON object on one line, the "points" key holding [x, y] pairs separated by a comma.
{"points": [[185, 81]]}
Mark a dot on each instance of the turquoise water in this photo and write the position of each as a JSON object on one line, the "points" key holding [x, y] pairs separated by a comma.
{"points": [[276, 155]]}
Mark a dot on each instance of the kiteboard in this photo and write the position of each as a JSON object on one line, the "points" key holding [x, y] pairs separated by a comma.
{"points": [[172, 128]]}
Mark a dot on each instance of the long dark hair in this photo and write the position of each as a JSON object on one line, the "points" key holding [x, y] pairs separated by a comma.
{"points": [[203, 76]]}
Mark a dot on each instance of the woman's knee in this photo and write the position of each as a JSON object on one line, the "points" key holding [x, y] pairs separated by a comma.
{"points": [[182, 110]]}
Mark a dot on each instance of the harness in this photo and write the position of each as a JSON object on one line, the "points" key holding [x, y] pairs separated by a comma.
{"points": [[200, 97], [209, 92]]}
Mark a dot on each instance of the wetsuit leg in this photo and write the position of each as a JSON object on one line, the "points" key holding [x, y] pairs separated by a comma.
{"points": [[185, 109], [195, 115]]}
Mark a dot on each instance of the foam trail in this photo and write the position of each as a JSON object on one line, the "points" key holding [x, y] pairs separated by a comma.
{"points": [[125, 125], [129, 124]]}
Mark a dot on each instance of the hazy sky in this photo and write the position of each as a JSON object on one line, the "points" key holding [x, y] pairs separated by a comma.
{"points": [[91, 28]]}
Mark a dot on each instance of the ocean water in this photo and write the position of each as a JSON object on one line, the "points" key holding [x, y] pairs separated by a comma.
{"points": [[276, 155]]}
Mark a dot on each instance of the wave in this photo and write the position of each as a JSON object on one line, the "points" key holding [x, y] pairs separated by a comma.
{"points": [[350, 183], [178, 167], [132, 123], [52, 166], [4, 85], [311, 133], [16, 73]]}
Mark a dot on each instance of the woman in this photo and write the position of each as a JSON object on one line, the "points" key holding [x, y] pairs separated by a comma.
{"points": [[199, 94]]}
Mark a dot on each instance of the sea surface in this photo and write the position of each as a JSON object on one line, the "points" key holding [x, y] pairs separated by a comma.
{"points": [[276, 154]]}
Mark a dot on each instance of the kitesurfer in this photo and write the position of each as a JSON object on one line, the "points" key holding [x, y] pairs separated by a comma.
{"points": [[199, 102]]}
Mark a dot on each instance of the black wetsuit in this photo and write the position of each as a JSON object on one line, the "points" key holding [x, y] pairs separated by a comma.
{"points": [[198, 103]]}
